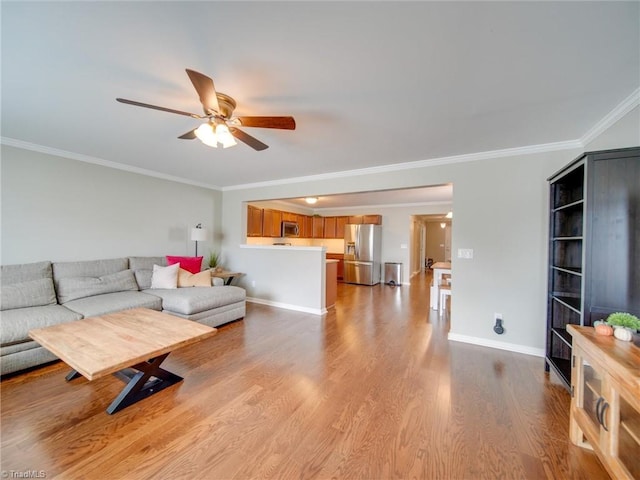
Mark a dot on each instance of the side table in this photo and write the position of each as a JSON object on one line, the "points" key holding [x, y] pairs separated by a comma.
{"points": [[226, 276]]}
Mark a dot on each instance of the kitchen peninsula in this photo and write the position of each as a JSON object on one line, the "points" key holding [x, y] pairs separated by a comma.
{"points": [[288, 276]]}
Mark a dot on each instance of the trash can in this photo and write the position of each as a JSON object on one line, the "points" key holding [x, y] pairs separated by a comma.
{"points": [[393, 273]]}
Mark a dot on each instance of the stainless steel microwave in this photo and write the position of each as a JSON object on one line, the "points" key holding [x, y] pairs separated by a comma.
{"points": [[290, 229]]}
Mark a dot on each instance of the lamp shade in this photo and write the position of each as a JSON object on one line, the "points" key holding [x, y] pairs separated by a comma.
{"points": [[198, 234]]}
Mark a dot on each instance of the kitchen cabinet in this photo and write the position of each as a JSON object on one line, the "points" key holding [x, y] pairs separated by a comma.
{"points": [[254, 221], [366, 219], [289, 217], [594, 223], [271, 222], [340, 223], [305, 225], [318, 227], [605, 400], [334, 226], [329, 227]]}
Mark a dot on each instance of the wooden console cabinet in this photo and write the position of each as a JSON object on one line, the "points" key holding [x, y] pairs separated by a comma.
{"points": [[605, 400]]}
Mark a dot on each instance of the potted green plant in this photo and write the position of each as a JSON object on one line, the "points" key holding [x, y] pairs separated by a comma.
{"points": [[623, 319], [214, 261]]}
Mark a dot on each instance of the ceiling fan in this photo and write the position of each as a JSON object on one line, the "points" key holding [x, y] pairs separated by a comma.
{"points": [[220, 126]]}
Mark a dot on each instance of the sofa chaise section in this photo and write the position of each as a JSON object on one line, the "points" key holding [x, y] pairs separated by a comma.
{"points": [[212, 306]]}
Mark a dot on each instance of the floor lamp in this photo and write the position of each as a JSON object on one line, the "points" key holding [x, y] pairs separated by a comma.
{"points": [[198, 234]]}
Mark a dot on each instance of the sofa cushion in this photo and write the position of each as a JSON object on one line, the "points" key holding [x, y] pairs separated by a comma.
{"points": [[143, 269], [16, 323], [25, 272], [190, 264], [73, 288], [165, 277], [89, 268], [188, 301], [32, 293], [187, 279], [113, 302]]}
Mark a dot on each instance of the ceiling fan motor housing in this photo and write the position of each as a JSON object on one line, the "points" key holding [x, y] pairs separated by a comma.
{"points": [[227, 105]]}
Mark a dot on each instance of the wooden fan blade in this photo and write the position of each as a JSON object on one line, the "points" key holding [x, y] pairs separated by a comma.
{"points": [[206, 91], [248, 139], [190, 135], [155, 107], [284, 123]]}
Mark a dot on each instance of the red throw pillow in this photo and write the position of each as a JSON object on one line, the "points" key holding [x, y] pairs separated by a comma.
{"points": [[190, 264]]}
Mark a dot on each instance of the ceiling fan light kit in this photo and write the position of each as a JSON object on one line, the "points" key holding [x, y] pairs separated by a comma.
{"points": [[218, 108]]}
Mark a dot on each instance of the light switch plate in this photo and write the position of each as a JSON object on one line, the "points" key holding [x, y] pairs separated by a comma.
{"points": [[465, 253]]}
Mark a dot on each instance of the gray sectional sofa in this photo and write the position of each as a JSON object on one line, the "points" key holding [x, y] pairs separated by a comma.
{"points": [[41, 294]]}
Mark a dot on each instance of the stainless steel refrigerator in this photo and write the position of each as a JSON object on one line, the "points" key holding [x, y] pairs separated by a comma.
{"points": [[362, 254]]}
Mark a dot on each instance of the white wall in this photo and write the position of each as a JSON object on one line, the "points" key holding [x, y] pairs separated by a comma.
{"points": [[60, 209], [499, 210]]}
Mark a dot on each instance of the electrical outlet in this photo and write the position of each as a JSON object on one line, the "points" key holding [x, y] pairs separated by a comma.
{"points": [[253, 283], [498, 327]]}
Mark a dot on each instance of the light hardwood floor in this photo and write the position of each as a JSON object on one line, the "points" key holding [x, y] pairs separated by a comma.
{"points": [[373, 390]]}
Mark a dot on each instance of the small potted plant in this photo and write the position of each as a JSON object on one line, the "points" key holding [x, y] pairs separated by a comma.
{"points": [[214, 261]]}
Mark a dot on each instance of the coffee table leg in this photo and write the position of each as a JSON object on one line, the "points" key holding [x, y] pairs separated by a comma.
{"points": [[71, 375], [140, 384]]}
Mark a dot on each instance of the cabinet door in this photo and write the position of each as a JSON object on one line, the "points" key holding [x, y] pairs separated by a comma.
{"points": [[355, 219], [271, 222], [254, 221], [613, 282], [372, 219], [318, 227], [307, 226], [289, 217], [340, 223], [629, 434], [329, 227]]}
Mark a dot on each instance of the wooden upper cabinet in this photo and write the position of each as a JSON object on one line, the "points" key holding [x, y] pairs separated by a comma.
{"points": [[271, 222], [372, 219], [289, 217], [340, 223], [318, 227], [367, 219], [329, 227], [334, 226], [305, 222], [254, 221], [267, 223]]}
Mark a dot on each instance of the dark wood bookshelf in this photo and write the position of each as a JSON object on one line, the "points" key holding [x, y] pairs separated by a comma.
{"points": [[594, 250]]}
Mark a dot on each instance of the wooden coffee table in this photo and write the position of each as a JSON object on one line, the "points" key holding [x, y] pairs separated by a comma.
{"points": [[130, 344]]}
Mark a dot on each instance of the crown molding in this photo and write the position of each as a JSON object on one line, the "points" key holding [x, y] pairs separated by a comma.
{"points": [[12, 142], [471, 157], [624, 107]]}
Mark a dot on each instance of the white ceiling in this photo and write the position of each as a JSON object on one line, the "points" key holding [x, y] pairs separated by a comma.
{"points": [[370, 84]]}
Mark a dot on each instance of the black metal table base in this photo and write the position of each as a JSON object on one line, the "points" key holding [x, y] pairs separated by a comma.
{"points": [[143, 380]]}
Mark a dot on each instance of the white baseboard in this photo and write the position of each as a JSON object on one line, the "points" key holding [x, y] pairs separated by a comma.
{"points": [[483, 342], [287, 306]]}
